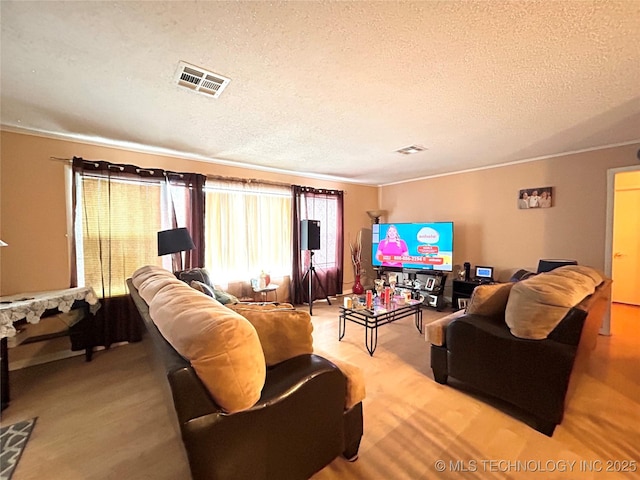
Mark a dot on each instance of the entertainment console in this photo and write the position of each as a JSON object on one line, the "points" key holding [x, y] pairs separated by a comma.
{"points": [[428, 284]]}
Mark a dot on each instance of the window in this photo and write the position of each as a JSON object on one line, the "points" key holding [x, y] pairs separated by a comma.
{"points": [[116, 226], [118, 210], [325, 206], [247, 230], [325, 210]]}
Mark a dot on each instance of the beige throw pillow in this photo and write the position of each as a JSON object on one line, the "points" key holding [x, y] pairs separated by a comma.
{"points": [[536, 305], [488, 300], [222, 346], [147, 272], [283, 331], [150, 287], [577, 272]]}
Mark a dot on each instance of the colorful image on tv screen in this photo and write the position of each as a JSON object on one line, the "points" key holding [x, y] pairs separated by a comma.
{"points": [[419, 246]]}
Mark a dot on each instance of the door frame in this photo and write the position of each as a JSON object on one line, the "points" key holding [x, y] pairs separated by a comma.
{"points": [[605, 329]]}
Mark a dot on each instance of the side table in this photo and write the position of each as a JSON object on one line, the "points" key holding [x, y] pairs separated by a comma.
{"points": [[264, 292]]}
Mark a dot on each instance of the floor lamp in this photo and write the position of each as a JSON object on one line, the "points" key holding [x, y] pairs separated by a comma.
{"points": [[174, 242], [376, 214]]}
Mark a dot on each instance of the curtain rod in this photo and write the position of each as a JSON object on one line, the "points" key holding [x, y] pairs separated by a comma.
{"points": [[115, 165], [247, 180], [212, 177]]}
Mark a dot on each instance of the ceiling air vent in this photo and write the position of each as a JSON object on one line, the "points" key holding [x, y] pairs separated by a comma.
{"points": [[411, 149], [200, 80]]}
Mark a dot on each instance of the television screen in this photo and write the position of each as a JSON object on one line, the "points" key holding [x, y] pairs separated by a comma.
{"points": [[413, 246]]}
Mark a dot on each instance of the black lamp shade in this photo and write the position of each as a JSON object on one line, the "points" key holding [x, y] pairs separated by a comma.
{"points": [[172, 241], [548, 264]]}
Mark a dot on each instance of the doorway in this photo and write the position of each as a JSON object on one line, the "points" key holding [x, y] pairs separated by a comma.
{"points": [[622, 243]]}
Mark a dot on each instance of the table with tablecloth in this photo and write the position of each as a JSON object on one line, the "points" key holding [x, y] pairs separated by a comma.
{"points": [[31, 307]]}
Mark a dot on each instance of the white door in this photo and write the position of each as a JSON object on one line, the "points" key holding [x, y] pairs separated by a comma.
{"points": [[625, 264]]}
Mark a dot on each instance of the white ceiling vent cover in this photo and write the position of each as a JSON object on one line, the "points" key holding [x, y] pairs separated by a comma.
{"points": [[200, 80], [411, 149]]}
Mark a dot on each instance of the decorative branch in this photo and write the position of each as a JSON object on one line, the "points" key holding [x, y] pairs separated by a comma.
{"points": [[356, 254]]}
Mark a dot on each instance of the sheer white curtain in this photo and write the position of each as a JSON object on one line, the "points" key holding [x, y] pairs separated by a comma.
{"points": [[247, 230]]}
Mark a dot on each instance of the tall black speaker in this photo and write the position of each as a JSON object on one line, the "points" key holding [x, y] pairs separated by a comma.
{"points": [[309, 235]]}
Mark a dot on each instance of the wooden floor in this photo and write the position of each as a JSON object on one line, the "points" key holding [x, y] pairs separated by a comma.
{"points": [[108, 420]]}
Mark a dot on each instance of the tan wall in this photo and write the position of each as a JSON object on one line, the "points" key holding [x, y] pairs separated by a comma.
{"points": [[33, 212], [491, 230]]}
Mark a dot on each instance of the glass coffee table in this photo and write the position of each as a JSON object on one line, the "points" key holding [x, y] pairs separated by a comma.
{"points": [[379, 315]]}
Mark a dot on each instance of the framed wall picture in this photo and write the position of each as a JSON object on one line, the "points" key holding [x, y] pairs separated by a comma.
{"points": [[538, 197]]}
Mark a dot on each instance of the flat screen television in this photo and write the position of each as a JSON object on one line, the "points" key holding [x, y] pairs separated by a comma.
{"points": [[413, 246]]}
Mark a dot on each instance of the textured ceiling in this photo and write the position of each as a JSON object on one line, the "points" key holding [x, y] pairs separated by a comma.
{"points": [[329, 88]]}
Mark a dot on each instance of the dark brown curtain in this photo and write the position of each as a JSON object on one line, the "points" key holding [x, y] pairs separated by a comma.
{"points": [[297, 292], [326, 206], [192, 184], [118, 320]]}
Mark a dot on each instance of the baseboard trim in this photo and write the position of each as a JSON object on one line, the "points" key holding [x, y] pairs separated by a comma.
{"points": [[52, 357], [40, 359]]}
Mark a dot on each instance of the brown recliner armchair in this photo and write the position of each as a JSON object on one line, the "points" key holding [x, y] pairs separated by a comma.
{"points": [[299, 424]]}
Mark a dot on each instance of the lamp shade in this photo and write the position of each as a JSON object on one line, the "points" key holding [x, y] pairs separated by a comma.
{"points": [[376, 214], [173, 241]]}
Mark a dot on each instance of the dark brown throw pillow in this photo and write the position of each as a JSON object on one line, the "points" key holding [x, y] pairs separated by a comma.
{"points": [[199, 274]]}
